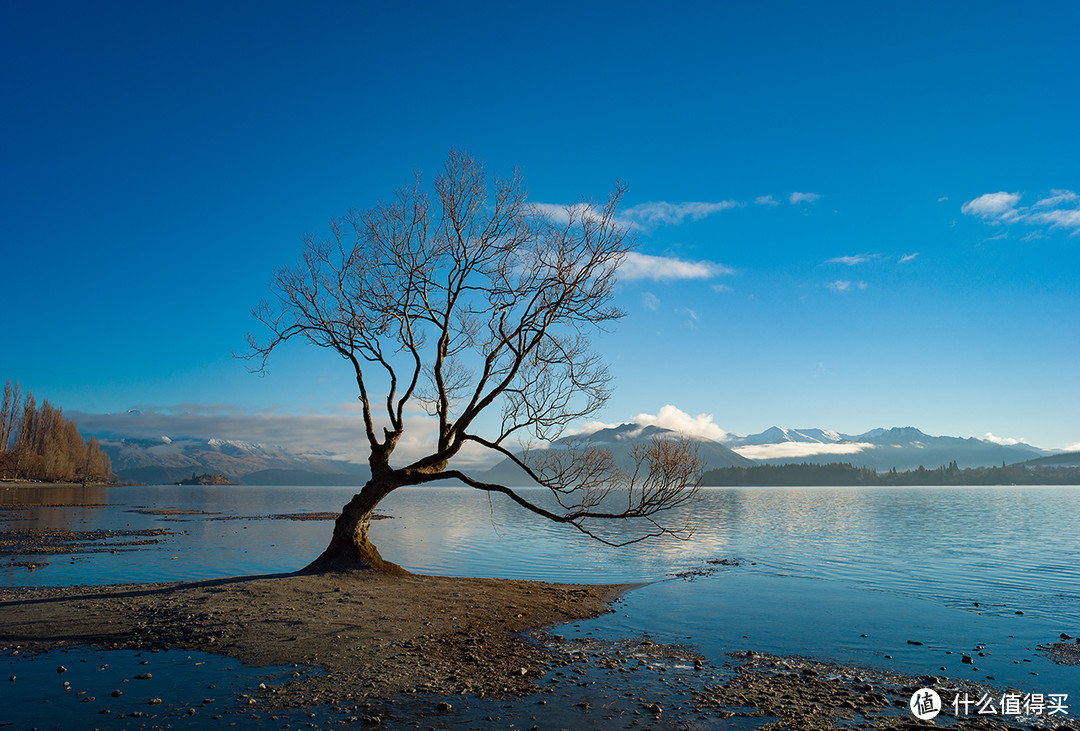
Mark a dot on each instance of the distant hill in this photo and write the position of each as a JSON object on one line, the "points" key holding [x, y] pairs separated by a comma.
{"points": [[621, 441], [902, 448], [1065, 459], [167, 461]]}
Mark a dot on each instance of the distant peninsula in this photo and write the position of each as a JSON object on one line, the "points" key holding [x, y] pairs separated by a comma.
{"points": [[1063, 471], [206, 479]]}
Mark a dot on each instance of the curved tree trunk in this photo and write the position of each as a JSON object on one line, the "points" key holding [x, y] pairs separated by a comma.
{"points": [[350, 549]]}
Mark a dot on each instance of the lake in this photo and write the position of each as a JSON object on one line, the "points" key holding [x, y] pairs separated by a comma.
{"points": [[851, 575]]}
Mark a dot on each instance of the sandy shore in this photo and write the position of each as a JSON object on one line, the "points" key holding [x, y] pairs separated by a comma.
{"points": [[375, 636]]}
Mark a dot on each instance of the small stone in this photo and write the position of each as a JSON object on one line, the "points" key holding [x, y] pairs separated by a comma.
{"points": [[1065, 636], [117, 693], [143, 676], [913, 642], [61, 669], [967, 660], [1018, 611], [445, 707], [154, 702]]}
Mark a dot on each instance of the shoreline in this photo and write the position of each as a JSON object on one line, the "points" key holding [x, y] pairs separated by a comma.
{"points": [[390, 635], [387, 649]]}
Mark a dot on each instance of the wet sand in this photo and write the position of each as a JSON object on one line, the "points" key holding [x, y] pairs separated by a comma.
{"points": [[376, 636]]}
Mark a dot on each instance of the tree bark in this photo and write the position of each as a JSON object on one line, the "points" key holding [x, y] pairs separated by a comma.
{"points": [[350, 549]]}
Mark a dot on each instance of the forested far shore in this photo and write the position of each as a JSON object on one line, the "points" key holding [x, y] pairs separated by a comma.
{"points": [[38, 443], [842, 474]]}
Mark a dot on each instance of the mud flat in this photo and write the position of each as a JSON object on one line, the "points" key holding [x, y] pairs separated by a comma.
{"points": [[374, 636]]}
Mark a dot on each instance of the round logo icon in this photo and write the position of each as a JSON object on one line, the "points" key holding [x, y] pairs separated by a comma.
{"points": [[925, 704]]}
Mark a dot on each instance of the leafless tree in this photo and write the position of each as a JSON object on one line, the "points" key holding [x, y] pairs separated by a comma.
{"points": [[472, 302]]}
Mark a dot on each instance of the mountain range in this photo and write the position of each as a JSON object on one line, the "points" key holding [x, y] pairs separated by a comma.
{"points": [[165, 460], [902, 448], [621, 441]]}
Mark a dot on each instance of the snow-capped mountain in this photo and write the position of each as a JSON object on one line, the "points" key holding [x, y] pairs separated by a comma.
{"points": [[166, 460], [621, 440], [881, 449]]}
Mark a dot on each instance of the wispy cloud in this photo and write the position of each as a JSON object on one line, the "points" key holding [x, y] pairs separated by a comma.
{"points": [[797, 198], [845, 285], [338, 435], [644, 215], [1059, 210], [766, 200], [790, 450], [655, 213], [691, 316], [650, 300], [565, 213], [720, 288], [907, 257], [639, 266], [853, 260]]}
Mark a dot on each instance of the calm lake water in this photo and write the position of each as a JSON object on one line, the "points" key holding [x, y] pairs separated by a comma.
{"points": [[841, 574]]}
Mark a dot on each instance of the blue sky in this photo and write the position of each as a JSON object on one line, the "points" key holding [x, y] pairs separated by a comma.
{"points": [[866, 215]]}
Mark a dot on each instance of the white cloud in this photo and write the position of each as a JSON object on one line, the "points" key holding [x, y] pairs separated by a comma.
{"points": [[840, 285], [671, 417], [1073, 447], [863, 285], [663, 268], [907, 257], [766, 200], [942, 199], [992, 206], [1001, 440], [650, 300], [720, 288], [1061, 209], [656, 213], [789, 450], [852, 260], [797, 198]]}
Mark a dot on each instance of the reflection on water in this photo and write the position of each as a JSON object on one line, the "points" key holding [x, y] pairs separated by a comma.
{"points": [[847, 574], [1000, 546]]}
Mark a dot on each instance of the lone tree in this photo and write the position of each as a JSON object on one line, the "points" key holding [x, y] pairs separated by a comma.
{"points": [[476, 305]]}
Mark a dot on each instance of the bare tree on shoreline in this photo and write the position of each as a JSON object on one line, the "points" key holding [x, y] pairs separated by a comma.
{"points": [[473, 303]]}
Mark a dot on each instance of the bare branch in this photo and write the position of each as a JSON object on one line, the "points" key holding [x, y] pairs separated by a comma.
{"points": [[472, 301]]}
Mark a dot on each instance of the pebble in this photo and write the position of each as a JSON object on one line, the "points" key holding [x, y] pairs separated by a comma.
{"points": [[61, 669]]}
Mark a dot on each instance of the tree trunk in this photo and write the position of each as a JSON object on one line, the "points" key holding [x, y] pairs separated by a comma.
{"points": [[350, 549]]}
